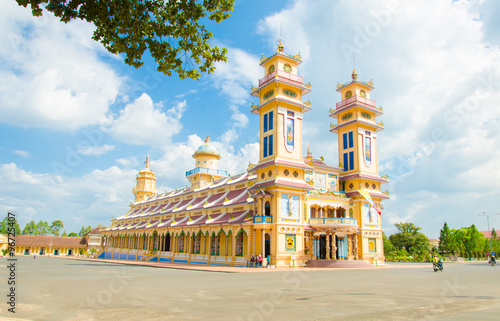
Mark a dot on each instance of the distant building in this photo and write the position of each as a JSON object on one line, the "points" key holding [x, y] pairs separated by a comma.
{"points": [[94, 239], [49, 245], [487, 233], [4, 242], [434, 243]]}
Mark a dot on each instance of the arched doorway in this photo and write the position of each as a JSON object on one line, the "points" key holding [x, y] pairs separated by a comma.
{"points": [[267, 245], [166, 245]]}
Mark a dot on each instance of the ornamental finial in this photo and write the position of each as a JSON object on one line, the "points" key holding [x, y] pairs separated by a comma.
{"points": [[281, 48], [207, 140], [147, 161], [354, 75]]}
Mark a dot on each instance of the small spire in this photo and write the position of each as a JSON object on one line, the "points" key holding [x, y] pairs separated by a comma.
{"points": [[281, 48], [147, 161], [207, 139], [354, 75]]}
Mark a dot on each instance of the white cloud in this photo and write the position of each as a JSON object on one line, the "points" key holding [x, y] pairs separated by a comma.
{"points": [[128, 161], [234, 79], [51, 74], [436, 77], [22, 153], [288, 23], [143, 123], [88, 200], [95, 150]]}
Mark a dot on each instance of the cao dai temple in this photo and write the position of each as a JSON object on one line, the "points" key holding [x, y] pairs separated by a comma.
{"points": [[291, 206]]}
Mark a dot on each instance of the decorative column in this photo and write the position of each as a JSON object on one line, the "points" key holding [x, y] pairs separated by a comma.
{"points": [[328, 257], [356, 247], [334, 246], [262, 246]]}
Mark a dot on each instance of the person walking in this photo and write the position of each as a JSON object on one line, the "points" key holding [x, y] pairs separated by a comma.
{"points": [[268, 265], [260, 260]]}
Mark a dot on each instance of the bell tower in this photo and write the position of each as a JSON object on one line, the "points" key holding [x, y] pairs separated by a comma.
{"points": [[357, 143], [280, 107], [280, 189], [145, 186]]}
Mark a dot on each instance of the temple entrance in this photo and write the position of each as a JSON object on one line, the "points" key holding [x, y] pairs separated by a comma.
{"points": [[70, 252], [322, 247], [26, 251], [267, 246], [56, 252], [341, 248], [42, 251]]}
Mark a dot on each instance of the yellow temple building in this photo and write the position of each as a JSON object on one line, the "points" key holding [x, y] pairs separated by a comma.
{"points": [[290, 207]]}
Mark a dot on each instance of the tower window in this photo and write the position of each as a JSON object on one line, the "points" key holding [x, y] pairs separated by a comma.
{"points": [[348, 140], [348, 161], [265, 147], [270, 144], [268, 121]]}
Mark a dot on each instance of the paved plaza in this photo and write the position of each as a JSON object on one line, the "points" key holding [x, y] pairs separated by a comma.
{"points": [[63, 289]]}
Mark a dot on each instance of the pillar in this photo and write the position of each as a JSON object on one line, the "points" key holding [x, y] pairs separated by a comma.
{"points": [[355, 247], [262, 245], [334, 246], [328, 257]]}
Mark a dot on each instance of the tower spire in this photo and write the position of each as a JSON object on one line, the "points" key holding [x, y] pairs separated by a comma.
{"points": [[281, 48], [147, 162]]}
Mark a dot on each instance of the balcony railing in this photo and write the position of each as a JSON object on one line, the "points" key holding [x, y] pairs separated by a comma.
{"points": [[333, 221], [205, 170], [262, 219], [365, 101], [281, 74]]}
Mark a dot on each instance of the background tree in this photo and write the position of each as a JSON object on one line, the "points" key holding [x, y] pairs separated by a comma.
{"points": [[56, 227], [459, 240], [43, 228], [73, 234], [30, 228], [445, 239], [85, 230], [475, 239], [5, 225], [64, 233], [170, 29], [409, 238], [389, 249]]}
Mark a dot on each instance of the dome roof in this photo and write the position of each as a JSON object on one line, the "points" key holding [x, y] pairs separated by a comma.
{"points": [[206, 149]]}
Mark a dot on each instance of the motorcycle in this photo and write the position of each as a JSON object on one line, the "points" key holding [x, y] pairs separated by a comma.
{"points": [[492, 262], [437, 267]]}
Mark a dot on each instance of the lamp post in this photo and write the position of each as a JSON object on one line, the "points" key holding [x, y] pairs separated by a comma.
{"points": [[489, 232]]}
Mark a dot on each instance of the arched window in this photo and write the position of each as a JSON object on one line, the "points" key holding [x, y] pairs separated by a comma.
{"points": [[267, 209]]}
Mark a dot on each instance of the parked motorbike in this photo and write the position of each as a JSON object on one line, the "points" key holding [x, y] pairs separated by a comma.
{"points": [[437, 267]]}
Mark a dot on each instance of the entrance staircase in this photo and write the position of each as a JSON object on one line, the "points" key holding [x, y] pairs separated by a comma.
{"points": [[358, 264]]}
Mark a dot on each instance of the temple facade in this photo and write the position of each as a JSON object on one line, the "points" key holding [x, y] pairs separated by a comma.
{"points": [[290, 207]]}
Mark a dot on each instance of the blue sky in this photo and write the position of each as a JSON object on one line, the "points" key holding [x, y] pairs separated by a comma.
{"points": [[71, 141]]}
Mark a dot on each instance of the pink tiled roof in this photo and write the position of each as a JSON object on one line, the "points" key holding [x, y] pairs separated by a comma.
{"points": [[372, 194], [294, 184], [367, 176]]}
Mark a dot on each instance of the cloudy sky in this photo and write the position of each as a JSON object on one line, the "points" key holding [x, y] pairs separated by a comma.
{"points": [[76, 122]]}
